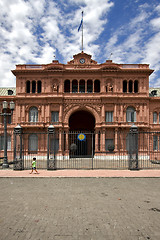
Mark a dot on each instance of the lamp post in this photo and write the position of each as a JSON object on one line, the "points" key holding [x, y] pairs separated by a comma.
{"points": [[5, 114]]}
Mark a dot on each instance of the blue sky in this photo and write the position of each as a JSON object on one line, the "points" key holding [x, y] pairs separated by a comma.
{"points": [[34, 31]]}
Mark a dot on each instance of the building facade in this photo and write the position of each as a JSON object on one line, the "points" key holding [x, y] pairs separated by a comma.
{"points": [[81, 96]]}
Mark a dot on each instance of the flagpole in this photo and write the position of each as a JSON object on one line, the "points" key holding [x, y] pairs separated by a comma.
{"points": [[82, 31]]}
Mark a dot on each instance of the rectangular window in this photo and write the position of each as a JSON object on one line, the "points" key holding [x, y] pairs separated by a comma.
{"points": [[154, 117], [2, 142], [108, 142], [131, 116], [33, 114], [54, 116], [155, 142], [109, 116]]}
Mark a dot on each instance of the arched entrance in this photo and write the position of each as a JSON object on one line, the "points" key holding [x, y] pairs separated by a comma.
{"points": [[81, 138], [81, 121]]}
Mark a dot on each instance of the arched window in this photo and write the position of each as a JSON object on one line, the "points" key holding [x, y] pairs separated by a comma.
{"points": [[33, 86], [154, 117], [124, 86], [89, 86], [96, 86], [33, 143], [28, 87], [131, 114], [130, 86], [33, 114], [74, 86], [39, 87], [82, 86], [135, 86], [67, 86]]}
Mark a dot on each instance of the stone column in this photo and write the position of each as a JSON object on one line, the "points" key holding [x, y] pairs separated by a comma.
{"points": [[42, 114], [60, 141], [103, 114], [103, 137], [85, 86], [23, 113], [47, 112], [116, 139], [60, 113], [96, 140], [66, 150]]}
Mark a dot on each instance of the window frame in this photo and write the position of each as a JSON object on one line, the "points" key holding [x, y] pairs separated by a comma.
{"points": [[155, 117], [109, 116], [2, 142], [54, 116], [131, 115], [33, 115]]}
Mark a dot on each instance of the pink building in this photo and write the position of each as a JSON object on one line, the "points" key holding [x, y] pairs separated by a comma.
{"points": [[100, 101]]}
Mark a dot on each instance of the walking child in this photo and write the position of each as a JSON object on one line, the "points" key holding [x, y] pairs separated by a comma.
{"points": [[34, 166]]}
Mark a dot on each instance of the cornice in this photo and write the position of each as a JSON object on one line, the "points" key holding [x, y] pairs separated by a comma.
{"points": [[98, 70]]}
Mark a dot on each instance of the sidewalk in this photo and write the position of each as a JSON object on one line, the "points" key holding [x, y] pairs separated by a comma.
{"points": [[82, 173]]}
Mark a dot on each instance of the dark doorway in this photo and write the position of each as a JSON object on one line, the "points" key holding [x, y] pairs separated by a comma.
{"points": [[82, 122]]}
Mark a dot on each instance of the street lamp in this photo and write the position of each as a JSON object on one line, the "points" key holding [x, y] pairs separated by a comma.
{"points": [[5, 114]]}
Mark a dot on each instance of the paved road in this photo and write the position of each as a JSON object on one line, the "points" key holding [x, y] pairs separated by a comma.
{"points": [[80, 208]]}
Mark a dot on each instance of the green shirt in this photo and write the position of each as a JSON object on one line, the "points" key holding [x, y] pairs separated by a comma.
{"points": [[34, 164]]}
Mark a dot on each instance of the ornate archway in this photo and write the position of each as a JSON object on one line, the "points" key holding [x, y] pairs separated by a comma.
{"points": [[82, 125], [81, 120]]}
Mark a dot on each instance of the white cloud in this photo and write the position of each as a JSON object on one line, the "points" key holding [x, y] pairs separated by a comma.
{"points": [[35, 31], [140, 42], [32, 31], [156, 23]]}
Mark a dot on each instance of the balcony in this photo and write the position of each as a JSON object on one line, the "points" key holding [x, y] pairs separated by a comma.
{"points": [[32, 124], [38, 124]]}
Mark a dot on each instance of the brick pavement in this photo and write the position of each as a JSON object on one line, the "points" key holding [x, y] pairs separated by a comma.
{"points": [[80, 208]]}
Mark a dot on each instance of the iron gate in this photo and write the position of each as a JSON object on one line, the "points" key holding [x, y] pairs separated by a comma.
{"points": [[55, 149]]}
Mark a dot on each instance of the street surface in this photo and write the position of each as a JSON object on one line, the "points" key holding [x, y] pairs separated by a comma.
{"points": [[80, 208]]}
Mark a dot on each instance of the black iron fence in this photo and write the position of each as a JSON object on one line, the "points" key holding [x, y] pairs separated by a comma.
{"points": [[55, 149], [10, 142]]}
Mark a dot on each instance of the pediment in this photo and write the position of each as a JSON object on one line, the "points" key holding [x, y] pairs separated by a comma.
{"points": [[82, 59]]}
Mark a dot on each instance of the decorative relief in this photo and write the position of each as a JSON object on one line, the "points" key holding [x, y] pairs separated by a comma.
{"points": [[109, 85], [125, 106], [55, 85], [137, 107], [81, 106], [156, 109], [27, 107], [82, 67], [39, 108], [82, 101]]}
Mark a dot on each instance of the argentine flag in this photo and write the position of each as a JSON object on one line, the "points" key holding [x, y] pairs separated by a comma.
{"points": [[80, 23]]}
